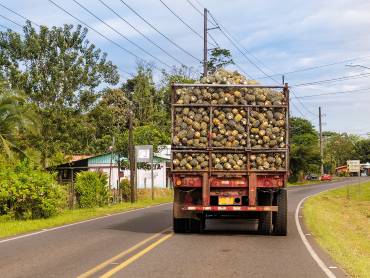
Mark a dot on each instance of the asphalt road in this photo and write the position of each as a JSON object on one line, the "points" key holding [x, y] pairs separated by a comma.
{"points": [[132, 245]]}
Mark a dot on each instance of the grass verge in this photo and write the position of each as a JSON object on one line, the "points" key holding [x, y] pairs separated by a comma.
{"points": [[340, 222], [10, 227]]}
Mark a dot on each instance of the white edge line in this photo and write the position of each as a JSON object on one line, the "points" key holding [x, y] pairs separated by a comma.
{"points": [[312, 252], [77, 223]]}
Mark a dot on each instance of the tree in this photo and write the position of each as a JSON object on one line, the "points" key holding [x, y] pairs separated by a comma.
{"points": [[60, 72], [304, 151], [340, 147], [220, 58], [16, 120], [109, 119], [362, 148]]}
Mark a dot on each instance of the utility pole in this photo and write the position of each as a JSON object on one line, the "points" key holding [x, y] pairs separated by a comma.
{"points": [[131, 155], [321, 145], [205, 46]]}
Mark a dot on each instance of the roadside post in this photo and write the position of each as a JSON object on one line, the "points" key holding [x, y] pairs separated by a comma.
{"points": [[354, 167], [144, 153]]}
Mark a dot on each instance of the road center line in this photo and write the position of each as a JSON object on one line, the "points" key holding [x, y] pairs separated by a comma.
{"points": [[122, 254], [135, 257]]}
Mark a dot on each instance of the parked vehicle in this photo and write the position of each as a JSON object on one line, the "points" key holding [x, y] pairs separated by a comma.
{"points": [[326, 177], [312, 177], [230, 154]]}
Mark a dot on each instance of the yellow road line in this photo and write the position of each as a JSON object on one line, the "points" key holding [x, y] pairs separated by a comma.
{"points": [[120, 255], [135, 257]]}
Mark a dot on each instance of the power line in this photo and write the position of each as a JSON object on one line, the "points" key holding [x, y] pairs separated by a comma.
{"points": [[186, 24], [141, 33], [234, 43], [12, 21], [318, 67], [120, 34], [343, 78], [336, 93], [96, 31], [14, 12], [163, 35]]}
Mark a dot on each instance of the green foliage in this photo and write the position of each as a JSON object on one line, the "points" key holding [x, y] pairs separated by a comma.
{"points": [[339, 148], [91, 189], [125, 188], [220, 58], [304, 151], [59, 71], [144, 135], [362, 148], [29, 193], [16, 120]]}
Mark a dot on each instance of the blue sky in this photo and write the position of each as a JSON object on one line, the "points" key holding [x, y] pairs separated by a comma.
{"points": [[282, 35]]}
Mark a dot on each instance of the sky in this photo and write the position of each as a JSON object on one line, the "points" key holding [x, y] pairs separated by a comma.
{"points": [[277, 36]]}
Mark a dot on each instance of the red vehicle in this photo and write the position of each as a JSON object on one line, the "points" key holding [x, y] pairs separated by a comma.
{"points": [[243, 192], [326, 177]]}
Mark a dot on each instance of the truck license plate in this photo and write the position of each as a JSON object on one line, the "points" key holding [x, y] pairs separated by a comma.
{"points": [[222, 201]]}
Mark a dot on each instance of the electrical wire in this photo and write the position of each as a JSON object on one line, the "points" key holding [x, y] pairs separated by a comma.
{"points": [[185, 23], [343, 78], [336, 93], [120, 34], [12, 21], [14, 12], [318, 67], [99, 33], [141, 33], [156, 29]]}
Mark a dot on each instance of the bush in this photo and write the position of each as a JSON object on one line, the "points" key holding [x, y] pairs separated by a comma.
{"points": [[29, 193], [125, 188], [91, 189]]}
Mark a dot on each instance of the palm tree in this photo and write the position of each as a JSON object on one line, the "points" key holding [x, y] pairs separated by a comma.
{"points": [[16, 118]]}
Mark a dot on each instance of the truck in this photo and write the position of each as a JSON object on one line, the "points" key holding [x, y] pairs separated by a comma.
{"points": [[229, 152]]}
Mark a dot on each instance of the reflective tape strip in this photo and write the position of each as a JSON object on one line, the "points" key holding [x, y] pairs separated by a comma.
{"points": [[236, 208]]}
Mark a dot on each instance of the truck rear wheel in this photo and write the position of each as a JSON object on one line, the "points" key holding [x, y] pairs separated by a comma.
{"points": [[280, 217], [180, 225], [265, 218]]}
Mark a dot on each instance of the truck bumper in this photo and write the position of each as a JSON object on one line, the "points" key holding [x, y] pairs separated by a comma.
{"points": [[228, 208]]}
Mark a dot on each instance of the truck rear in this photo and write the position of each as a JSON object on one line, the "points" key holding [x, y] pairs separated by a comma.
{"points": [[230, 152]]}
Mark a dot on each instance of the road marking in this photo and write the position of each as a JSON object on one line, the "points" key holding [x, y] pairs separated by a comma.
{"points": [[77, 223], [135, 257], [307, 244], [120, 255], [333, 267]]}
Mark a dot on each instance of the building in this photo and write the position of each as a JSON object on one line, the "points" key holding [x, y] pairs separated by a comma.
{"points": [[365, 169], [108, 163]]}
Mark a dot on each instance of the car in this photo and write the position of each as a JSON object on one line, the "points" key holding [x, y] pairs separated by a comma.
{"points": [[326, 177], [312, 177]]}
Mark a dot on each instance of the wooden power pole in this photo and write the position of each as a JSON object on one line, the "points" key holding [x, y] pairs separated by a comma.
{"points": [[321, 144], [205, 47]]}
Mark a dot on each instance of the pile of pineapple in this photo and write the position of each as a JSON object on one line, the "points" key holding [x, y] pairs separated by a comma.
{"points": [[223, 126]]}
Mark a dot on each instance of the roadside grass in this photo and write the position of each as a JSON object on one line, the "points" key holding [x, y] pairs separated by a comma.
{"points": [[341, 225], [11, 227]]}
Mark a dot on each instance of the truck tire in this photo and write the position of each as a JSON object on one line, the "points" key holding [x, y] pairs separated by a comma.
{"points": [[180, 225], [280, 221], [265, 218], [195, 225], [265, 223]]}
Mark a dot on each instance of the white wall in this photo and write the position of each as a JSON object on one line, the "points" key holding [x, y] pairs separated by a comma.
{"points": [[159, 175]]}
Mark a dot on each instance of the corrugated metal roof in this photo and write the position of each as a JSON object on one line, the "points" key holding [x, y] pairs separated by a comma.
{"points": [[106, 159]]}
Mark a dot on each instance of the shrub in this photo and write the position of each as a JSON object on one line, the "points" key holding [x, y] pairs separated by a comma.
{"points": [[91, 189], [124, 185], [29, 193]]}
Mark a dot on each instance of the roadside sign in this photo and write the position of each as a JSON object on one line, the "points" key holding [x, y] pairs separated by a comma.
{"points": [[353, 166], [144, 153]]}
